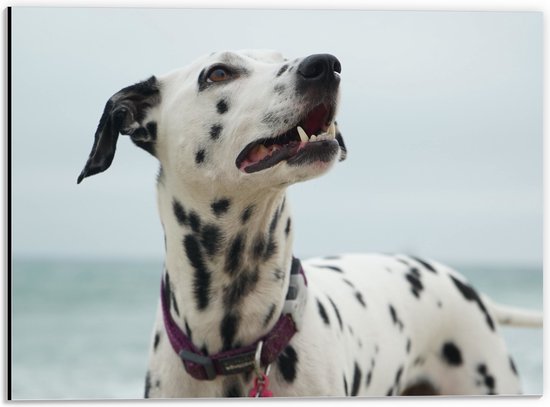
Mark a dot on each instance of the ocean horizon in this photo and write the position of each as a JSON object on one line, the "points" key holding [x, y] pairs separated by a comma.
{"points": [[81, 328]]}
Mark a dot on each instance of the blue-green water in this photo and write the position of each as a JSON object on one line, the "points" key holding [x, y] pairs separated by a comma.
{"points": [[81, 329]]}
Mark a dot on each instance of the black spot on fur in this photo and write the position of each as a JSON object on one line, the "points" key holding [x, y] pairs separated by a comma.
{"points": [[360, 299], [234, 255], [369, 378], [204, 350], [259, 247], [332, 257], [140, 134], [322, 312], [403, 261], [145, 145], [222, 107], [282, 70], [345, 280], [240, 288], [490, 382], [513, 366], [356, 380], [156, 341], [216, 131], [287, 228], [488, 379], [426, 265], [167, 289], [174, 303], [188, 330], [233, 390], [169, 295], [346, 386], [287, 364], [333, 268], [395, 318], [228, 330], [421, 388], [246, 214], [221, 206], [337, 313], [152, 130], [408, 348], [471, 295], [160, 176], [269, 315], [451, 354], [147, 384], [398, 377], [390, 392], [201, 278], [199, 157], [393, 314], [179, 212], [194, 222], [414, 280], [274, 222], [271, 249], [211, 239]]}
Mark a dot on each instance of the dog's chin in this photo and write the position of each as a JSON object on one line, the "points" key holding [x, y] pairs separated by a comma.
{"points": [[308, 167]]}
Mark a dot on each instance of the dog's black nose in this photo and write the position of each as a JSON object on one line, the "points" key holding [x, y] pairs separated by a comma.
{"points": [[320, 68]]}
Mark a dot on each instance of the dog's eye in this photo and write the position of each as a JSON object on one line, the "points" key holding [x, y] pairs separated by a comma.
{"points": [[218, 74]]}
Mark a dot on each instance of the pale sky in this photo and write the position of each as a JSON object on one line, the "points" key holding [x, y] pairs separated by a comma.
{"points": [[441, 113]]}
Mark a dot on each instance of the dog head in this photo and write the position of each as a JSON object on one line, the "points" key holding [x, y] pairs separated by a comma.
{"points": [[239, 119]]}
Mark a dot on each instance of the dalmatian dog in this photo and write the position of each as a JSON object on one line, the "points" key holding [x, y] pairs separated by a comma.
{"points": [[238, 314]]}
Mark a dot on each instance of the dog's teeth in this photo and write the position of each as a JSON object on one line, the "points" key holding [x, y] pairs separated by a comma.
{"points": [[332, 131], [303, 134], [313, 138]]}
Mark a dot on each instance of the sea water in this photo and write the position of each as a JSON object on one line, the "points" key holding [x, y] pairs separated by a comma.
{"points": [[82, 329]]}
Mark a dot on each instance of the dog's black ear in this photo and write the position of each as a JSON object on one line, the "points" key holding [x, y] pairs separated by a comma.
{"points": [[124, 113], [340, 139]]}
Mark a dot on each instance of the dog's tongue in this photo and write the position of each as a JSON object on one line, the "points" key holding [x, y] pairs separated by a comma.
{"points": [[260, 152], [261, 157]]}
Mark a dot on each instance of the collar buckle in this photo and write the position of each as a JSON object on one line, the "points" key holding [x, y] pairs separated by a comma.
{"points": [[204, 361]]}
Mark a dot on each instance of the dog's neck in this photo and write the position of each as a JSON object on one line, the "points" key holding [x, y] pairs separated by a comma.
{"points": [[228, 261]]}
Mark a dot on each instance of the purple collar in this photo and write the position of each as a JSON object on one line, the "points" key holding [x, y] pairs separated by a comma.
{"points": [[203, 367]]}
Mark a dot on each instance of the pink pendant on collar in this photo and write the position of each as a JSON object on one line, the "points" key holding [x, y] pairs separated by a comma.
{"points": [[260, 388]]}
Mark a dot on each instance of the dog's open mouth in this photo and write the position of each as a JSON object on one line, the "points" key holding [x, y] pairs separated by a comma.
{"points": [[313, 138]]}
